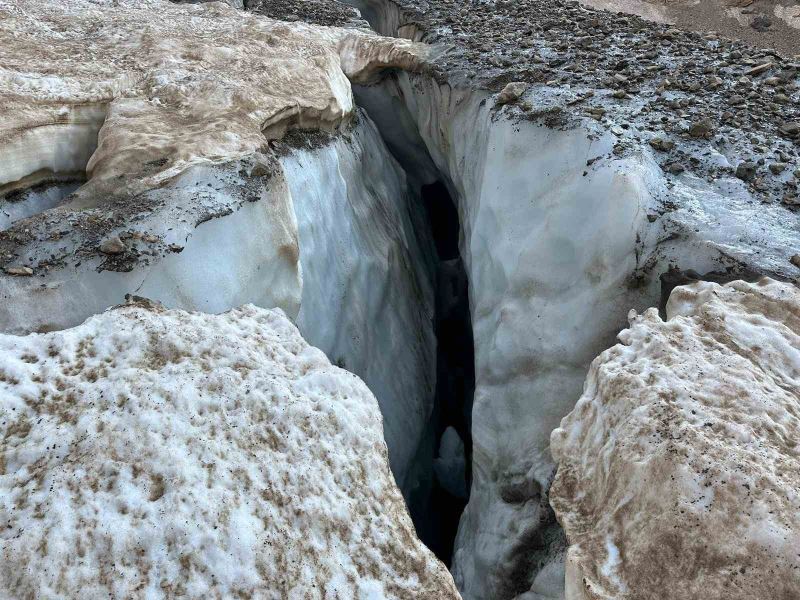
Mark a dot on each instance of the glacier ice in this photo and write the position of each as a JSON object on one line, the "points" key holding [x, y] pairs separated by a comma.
{"points": [[560, 238]]}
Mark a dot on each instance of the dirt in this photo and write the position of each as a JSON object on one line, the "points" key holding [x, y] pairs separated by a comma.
{"points": [[764, 23]]}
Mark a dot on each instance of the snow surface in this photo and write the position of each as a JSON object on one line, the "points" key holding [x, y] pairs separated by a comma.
{"points": [[678, 467], [172, 85], [150, 453]]}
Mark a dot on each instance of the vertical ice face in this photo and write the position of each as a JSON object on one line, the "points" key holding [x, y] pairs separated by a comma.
{"points": [[677, 473], [367, 299], [152, 453], [168, 112], [560, 238]]}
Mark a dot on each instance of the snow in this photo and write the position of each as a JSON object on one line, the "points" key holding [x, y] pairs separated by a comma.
{"points": [[677, 473], [179, 83], [150, 453]]}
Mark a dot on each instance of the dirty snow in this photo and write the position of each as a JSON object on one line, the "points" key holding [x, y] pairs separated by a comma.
{"points": [[150, 453], [678, 467]]}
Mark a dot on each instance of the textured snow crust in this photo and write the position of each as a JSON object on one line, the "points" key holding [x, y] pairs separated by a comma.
{"points": [[150, 453], [172, 85], [678, 467]]}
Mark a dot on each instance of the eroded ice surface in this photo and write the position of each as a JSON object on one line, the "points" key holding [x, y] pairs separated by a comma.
{"points": [[150, 453], [678, 467], [171, 85]]}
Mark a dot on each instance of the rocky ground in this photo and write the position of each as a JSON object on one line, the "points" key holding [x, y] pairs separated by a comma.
{"points": [[762, 23], [691, 96]]}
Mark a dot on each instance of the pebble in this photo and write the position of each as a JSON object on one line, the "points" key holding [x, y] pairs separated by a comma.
{"points": [[662, 145], [777, 168], [795, 260], [701, 128], [512, 92], [113, 245], [746, 170], [759, 69], [19, 271]]}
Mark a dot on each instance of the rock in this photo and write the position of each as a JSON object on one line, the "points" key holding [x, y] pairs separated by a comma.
{"points": [[757, 70], [662, 144], [791, 129], [113, 245], [701, 128], [220, 452], [679, 462], [675, 168], [511, 92], [777, 168], [19, 271], [746, 170], [795, 260], [761, 23]]}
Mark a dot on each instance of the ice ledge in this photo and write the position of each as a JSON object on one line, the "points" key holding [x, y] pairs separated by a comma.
{"points": [[171, 85]]}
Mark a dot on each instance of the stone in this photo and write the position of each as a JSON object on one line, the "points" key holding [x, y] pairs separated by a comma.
{"points": [[795, 260], [777, 168], [746, 170], [113, 245], [511, 92], [662, 144], [701, 128], [791, 129], [19, 271], [757, 70]]}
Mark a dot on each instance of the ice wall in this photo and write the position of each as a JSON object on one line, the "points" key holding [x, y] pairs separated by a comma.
{"points": [[561, 236]]}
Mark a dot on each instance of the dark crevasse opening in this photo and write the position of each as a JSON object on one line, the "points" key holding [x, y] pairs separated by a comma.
{"points": [[437, 512], [444, 459]]}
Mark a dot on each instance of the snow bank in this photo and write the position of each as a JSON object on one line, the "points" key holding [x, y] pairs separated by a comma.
{"points": [[150, 453], [678, 467], [172, 85]]}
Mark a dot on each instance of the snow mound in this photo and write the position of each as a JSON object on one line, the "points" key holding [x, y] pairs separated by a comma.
{"points": [[150, 453], [149, 87], [678, 467]]}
